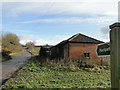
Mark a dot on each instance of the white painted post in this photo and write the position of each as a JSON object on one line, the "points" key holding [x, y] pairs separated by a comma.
{"points": [[115, 55]]}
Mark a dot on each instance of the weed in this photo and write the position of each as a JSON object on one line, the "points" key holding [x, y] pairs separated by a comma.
{"points": [[61, 74]]}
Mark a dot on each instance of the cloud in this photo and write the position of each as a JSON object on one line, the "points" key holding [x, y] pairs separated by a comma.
{"points": [[58, 38], [23, 31], [105, 30], [102, 34], [96, 11], [51, 40], [76, 7], [42, 41], [105, 33], [24, 38], [23, 42], [95, 34], [74, 20], [58, 0]]}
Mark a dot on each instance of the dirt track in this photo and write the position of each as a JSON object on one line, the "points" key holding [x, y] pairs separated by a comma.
{"points": [[7, 68]]}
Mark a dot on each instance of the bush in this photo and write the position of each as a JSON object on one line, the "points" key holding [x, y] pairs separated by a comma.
{"points": [[30, 46], [5, 54], [6, 51], [11, 42]]}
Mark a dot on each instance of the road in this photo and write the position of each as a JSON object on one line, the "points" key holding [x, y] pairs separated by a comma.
{"points": [[7, 68]]}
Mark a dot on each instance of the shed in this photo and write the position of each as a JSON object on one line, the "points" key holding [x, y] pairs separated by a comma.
{"points": [[77, 46]]}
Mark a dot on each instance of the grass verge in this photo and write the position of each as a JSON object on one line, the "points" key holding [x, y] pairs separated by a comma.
{"points": [[40, 75], [17, 53], [6, 57], [34, 51]]}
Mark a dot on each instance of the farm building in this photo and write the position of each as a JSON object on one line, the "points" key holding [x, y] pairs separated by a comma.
{"points": [[77, 46], [45, 51]]}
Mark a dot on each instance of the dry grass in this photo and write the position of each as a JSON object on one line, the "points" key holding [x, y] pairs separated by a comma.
{"points": [[72, 64]]}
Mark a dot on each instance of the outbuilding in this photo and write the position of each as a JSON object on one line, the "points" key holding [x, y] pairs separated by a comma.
{"points": [[77, 46]]}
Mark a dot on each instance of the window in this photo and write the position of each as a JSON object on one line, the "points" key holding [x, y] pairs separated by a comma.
{"points": [[86, 45], [87, 54]]}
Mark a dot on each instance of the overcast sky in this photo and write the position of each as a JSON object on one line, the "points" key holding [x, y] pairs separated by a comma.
{"points": [[51, 21]]}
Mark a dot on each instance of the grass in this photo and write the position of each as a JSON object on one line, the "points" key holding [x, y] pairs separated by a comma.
{"points": [[8, 57], [35, 51], [17, 53], [43, 75]]}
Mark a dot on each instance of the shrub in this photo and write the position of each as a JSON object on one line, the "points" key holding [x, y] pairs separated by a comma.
{"points": [[6, 51], [5, 54], [30, 46], [11, 42]]}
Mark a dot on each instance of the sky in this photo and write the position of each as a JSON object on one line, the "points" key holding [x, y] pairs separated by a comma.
{"points": [[52, 21]]}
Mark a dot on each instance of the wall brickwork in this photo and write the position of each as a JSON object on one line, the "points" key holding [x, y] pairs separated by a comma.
{"points": [[78, 50]]}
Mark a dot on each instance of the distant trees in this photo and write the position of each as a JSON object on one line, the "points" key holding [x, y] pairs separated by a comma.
{"points": [[30, 46], [10, 42]]}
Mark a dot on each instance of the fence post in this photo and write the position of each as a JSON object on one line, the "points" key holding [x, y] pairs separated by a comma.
{"points": [[115, 55]]}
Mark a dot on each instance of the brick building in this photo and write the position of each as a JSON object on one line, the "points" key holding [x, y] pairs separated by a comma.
{"points": [[77, 46], [45, 51]]}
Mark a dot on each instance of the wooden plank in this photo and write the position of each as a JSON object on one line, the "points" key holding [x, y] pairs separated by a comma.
{"points": [[115, 54]]}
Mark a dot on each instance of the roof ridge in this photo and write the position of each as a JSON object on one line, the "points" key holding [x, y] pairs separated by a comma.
{"points": [[88, 40], [71, 38], [90, 37], [74, 36]]}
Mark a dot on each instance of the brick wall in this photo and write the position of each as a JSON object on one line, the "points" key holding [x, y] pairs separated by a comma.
{"points": [[78, 50]]}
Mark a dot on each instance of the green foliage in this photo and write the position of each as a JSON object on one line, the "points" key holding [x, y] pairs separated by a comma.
{"points": [[38, 75], [72, 64], [5, 54], [35, 51], [11, 42], [10, 45], [30, 45], [32, 49], [17, 53]]}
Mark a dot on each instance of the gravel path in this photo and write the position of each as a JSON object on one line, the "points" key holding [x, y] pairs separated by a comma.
{"points": [[7, 68]]}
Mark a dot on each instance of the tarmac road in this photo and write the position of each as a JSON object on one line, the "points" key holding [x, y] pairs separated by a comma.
{"points": [[7, 68]]}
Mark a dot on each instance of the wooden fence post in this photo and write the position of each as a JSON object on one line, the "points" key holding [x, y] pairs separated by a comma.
{"points": [[115, 55]]}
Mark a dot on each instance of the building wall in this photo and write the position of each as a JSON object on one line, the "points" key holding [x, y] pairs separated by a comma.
{"points": [[54, 52], [57, 52], [77, 50], [65, 51]]}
